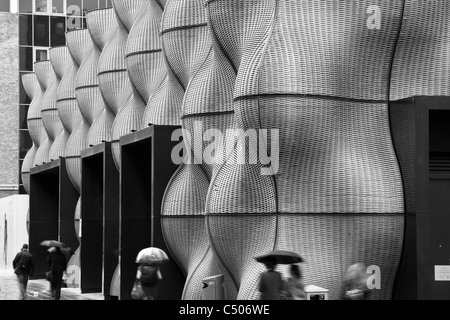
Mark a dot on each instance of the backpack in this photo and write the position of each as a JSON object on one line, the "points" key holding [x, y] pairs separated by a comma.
{"points": [[24, 263], [149, 275]]}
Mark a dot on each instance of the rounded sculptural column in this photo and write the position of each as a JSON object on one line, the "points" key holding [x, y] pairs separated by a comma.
{"points": [[326, 181], [101, 24], [144, 57], [88, 103], [79, 44], [115, 82], [46, 77], [188, 49], [34, 92], [61, 62], [421, 63], [166, 97]]}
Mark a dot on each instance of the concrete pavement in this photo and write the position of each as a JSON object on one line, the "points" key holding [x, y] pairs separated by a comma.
{"points": [[38, 289]]}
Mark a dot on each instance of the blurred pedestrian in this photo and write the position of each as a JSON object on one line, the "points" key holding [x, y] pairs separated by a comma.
{"points": [[355, 283], [57, 264], [295, 289], [147, 276], [271, 283], [23, 267]]}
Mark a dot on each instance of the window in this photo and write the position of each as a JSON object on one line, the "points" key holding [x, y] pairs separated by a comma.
{"points": [[40, 54], [26, 58], [58, 6], [74, 8], [25, 143], [89, 5], [58, 31], [25, 6], [40, 6], [23, 112], [49, 7], [41, 31], [26, 30], [4, 6]]}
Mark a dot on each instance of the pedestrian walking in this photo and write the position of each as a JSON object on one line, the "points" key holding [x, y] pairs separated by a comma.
{"points": [[271, 284], [355, 283], [147, 278], [57, 264], [23, 267], [295, 289]]}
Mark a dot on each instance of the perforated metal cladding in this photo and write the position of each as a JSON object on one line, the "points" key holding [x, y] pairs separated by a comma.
{"points": [[147, 71], [341, 151], [145, 33], [46, 77], [241, 35], [212, 87], [41, 156], [102, 24], [236, 240], [183, 13], [116, 89], [326, 64], [112, 57], [189, 251], [33, 90], [45, 73], [128, 11], [80, 44], [62, 62], [189, 55], [421, 65], [164, 104], [331, 243], [77, 142], [34, 119], [27, 164], [144, 56], [334, 156], [79, 108], [31, 85], [66, 102], [187, 46], [128, 120], [116, 86], [202, 137], [186, 192], [100, 131]]}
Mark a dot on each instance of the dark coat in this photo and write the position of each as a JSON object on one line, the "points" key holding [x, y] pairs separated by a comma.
{"points": [[18, 269], [57, 264], [271, 285]]}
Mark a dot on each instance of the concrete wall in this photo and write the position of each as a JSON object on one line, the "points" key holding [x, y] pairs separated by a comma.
{"points": [[9, 101]]}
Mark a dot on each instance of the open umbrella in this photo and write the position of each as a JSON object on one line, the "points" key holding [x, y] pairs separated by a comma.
{"points": [[151, 255], [281, 257], [53, 243]]}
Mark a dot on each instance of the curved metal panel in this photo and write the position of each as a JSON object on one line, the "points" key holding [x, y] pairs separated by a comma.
{"points": [[329, 118]]}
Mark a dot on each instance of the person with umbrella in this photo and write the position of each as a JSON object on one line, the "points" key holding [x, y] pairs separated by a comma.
{"points": [[57, 262], [271, 284], [148, 273]]}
